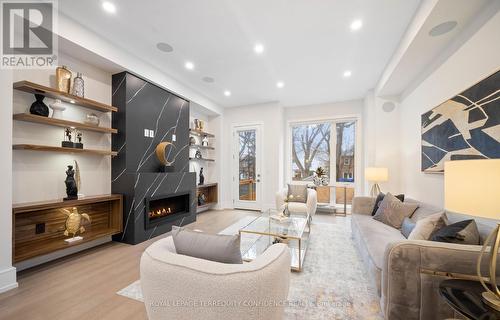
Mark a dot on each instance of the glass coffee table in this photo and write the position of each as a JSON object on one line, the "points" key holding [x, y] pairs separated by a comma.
{"points": [[264, 231]]}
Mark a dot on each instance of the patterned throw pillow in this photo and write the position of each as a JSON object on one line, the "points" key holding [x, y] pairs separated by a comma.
{"points": [[426, 227], [297, 193], [392, 211]]}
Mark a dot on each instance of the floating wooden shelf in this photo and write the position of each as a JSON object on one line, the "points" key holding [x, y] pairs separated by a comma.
{"points": [[197, 146], [38, 227], [201, 133], [35, 147], [201, 159], [206, 185], [34, 88], [60, 123]]}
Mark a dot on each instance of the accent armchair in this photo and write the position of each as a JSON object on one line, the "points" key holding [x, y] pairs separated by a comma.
{"points": [[308, 208], [180, 287]]}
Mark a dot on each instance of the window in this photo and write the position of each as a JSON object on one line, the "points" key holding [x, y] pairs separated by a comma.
{"points": [[310, 150], [329, 145]]}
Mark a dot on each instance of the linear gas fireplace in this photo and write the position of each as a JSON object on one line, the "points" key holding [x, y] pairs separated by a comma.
{"points": [[162, 209]]}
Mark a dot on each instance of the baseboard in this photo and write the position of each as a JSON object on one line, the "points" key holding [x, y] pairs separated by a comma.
{"points": [[8, 279]]}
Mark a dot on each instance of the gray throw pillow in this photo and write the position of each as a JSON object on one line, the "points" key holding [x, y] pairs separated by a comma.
{"points": [[297, 193], [214, 247], [407, 227], [392, 211], [426, 227], [463, 232]]}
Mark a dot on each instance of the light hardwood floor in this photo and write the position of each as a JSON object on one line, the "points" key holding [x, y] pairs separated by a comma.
{"points": [[84, 285]]}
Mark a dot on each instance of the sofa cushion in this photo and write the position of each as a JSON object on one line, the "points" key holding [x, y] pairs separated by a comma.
{"points": [[392, 211], [426, 227], [379, 199], [462, 232], [297, 193], [376, 236], [214, 247], [407, 227], [297, 208]]}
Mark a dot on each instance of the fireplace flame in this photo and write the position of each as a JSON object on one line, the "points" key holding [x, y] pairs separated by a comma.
{"points": [[160, 212]]}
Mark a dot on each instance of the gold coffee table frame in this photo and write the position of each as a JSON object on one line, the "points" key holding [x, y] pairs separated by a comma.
{"points": [[264, 230]]}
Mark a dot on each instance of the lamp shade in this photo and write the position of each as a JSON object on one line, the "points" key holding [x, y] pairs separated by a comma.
{"points": [[376, 174], [473, 187]]}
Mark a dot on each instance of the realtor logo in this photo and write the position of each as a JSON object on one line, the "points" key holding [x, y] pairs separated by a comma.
{"points": [[28, 35]]}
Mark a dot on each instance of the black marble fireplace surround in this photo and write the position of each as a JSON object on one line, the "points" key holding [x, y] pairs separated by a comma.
{"points": [[136, 172]]}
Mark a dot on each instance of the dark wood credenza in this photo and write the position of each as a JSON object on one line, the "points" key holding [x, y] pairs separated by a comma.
{"points": [[38, 227]]}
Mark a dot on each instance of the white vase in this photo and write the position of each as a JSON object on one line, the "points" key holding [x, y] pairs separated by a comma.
{"points": [[57, 109]]}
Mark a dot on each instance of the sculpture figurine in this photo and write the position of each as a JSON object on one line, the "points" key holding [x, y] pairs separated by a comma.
{"points": [[71, 185], [74, 222], [202, 177]]}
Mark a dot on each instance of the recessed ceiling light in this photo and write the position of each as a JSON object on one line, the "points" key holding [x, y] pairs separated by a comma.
{"points": [[259, 48], [189, 65], [347, 73], [165, 47], [208, 79], [227, 93], [356, 24], [280, 84], [109, 7], [443, 28]]}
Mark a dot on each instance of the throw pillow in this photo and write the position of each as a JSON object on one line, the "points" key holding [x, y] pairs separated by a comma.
{"points": [[407, 227], [297, 193], [463, 232], [379, 199], [214, 247], [392, 211], [426, 227]]}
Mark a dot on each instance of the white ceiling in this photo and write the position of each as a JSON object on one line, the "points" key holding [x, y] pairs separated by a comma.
{"points": [[308, 44]]}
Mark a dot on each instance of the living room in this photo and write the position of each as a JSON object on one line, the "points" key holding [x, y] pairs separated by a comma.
{"points": [[250, 159]]}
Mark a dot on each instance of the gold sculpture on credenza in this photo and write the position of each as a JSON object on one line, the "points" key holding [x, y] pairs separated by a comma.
{"points": [[74, 224], [162, 156]]}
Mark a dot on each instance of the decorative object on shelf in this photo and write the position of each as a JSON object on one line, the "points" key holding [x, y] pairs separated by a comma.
{"points": [[320, 177], [285, 212], [204, 141], [464, 127], [471, 187], [202, 199], [202, 177], [198, 154], [78, 85], [161, 154], [199, 124], [57, 109], [63, 79], [92, 119], [72, 138], [376, 175], [71, 185], [78, 178], [192, 141], [74, 224], [38, 107]]}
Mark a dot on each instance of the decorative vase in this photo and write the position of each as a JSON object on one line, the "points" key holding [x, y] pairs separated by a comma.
{"points": [[202, 177], [204, 141], [198, 124], [38, 107], [57, 109], [63, 79], [192, 141], [198, 155], [92, 119], [78, 85]]}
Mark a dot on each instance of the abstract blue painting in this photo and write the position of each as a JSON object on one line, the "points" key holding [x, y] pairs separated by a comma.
{"points": [[465, 127]]}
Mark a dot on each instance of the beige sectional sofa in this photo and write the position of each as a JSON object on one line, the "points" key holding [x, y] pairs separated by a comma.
{"points": [[407, 273]]}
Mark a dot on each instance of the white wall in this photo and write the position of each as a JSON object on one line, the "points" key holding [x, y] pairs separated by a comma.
{"points": [[474, 61], [39, 176], [7, 272], [271, 118]]}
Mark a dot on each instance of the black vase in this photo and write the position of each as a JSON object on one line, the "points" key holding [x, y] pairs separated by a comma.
{"points": [[202, 177], [38, 107]]}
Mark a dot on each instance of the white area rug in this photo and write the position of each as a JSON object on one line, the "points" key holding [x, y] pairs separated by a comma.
{"points": [[334, 283]]}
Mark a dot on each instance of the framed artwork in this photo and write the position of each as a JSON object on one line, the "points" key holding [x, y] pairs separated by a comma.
{"points": [[466, 126]]}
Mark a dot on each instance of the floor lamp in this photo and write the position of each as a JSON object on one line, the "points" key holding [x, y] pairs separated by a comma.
{"points": [[376, 175], [473, 187]]}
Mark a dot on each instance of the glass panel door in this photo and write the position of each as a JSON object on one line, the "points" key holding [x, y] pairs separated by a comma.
{"points": [[247, 178]]}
